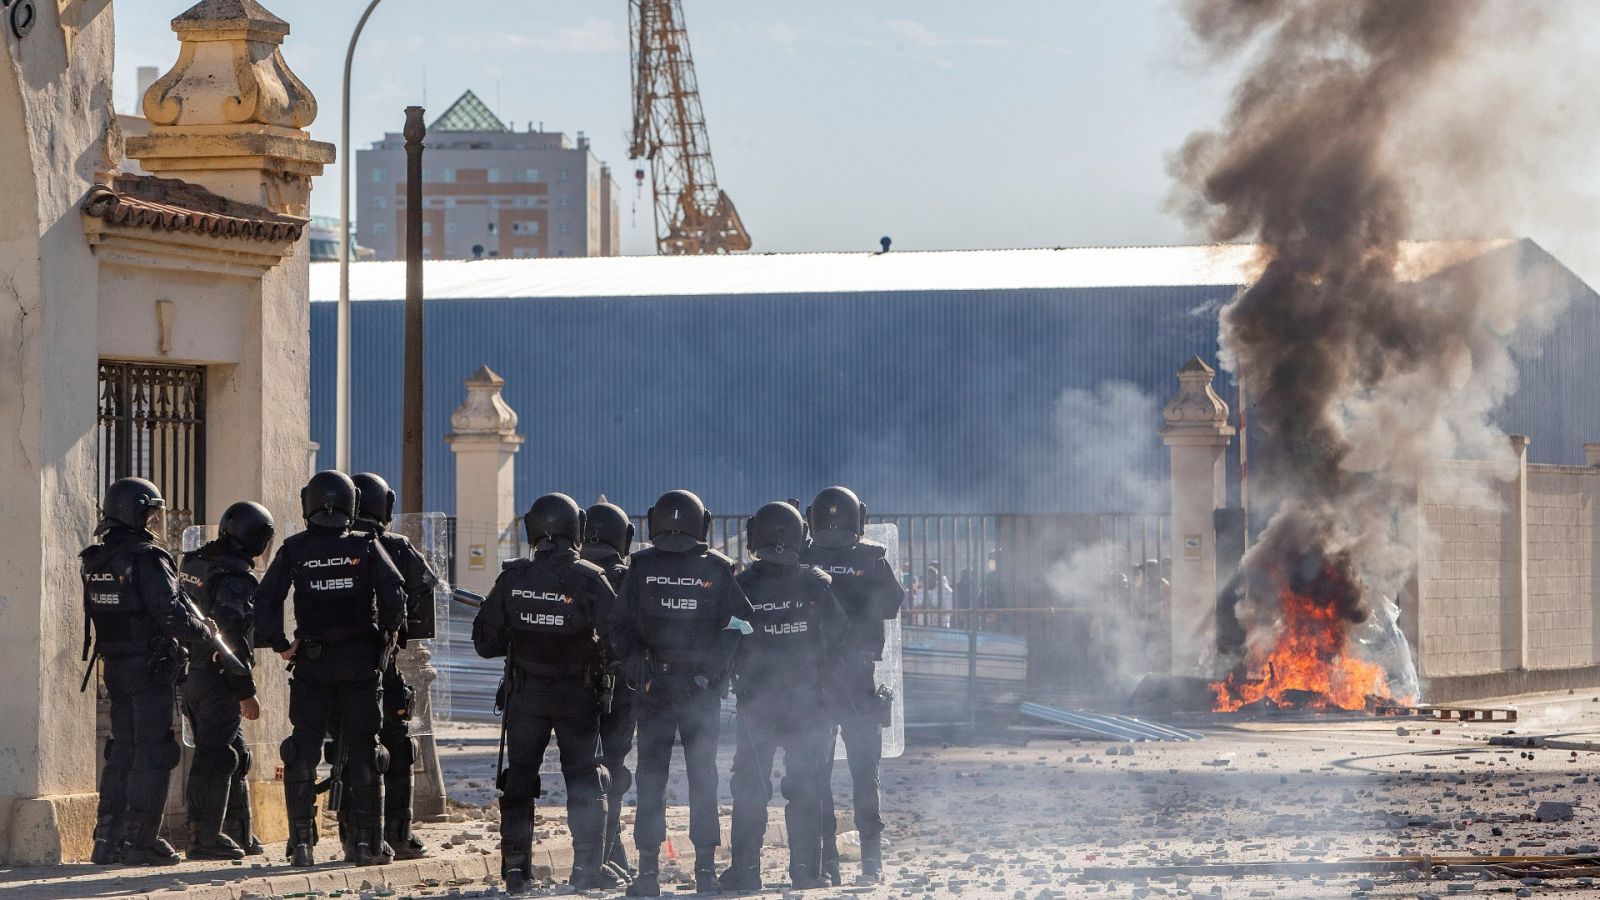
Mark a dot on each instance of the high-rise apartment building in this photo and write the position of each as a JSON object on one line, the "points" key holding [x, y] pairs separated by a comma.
{"points": [[489, 191]]}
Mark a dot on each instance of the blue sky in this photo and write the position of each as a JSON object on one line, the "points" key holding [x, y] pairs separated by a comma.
{"points": [[942, 123]]}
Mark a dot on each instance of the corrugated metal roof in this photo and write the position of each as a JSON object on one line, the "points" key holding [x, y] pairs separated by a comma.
{"points": [[833, 273]]}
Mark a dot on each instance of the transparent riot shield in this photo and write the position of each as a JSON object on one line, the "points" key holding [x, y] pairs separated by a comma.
{"points": [[426, 663], [889, 672]]}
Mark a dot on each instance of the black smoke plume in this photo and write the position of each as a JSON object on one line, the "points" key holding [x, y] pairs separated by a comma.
{"points": [[1360, 375]]}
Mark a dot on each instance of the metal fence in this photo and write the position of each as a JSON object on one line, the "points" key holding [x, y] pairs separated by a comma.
{"points": [[1088, 593]]}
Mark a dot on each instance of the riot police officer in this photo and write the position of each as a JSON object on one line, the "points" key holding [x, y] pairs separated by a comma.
{"points": [[675, 628], [606, 542], [217, 578], [870, 593], [349, 606], [779, 674], [542, 612], [373, 515], [139, 622]]}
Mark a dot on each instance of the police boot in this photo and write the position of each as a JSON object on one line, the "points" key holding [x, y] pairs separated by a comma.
{"points": [[745, 872], [236, 821], [107, 845], [205, 844], [142, 844], [586, 818], [705, 870], [804, 877], [647, 882], [516, 844], [830, 860], [588, 873], [302, 838], [397, 833], [871, 860]]}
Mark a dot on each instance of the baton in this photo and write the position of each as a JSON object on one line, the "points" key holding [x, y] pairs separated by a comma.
{"points": [[467, 598], [219, 645]]}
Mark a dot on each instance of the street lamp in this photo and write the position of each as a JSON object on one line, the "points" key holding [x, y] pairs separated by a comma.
{"points": [[341, 425]]}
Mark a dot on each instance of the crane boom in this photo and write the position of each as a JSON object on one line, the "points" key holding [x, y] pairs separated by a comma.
{"points": [[693, 216]]}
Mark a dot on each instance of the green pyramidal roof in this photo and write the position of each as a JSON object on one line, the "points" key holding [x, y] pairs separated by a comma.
{"points": [[468, 113]]}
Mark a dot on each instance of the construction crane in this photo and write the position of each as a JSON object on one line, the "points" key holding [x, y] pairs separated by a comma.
{"points": [[693, 216]]}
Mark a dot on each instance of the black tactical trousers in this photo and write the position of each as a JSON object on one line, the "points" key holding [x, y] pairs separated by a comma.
{"points": [[220, 753], [806, 739], [856, 708], [664, 716], [143, 751], [539, 708], [616, 742], [344, 676], [395, 735]]}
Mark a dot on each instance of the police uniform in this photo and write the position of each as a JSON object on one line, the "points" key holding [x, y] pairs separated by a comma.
{"points": [[871, 595], [675, 629], [131, 597], [218, 579], [399, 698], [347, 597], [779, 674], [618, 723]]}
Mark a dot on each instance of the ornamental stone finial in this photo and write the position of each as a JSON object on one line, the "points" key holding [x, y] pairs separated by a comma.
{"points": [[1196, 406], [230, 71], [484, 413]]}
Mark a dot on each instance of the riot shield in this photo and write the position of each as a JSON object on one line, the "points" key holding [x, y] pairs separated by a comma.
{"points": [[889, 672], [429, 534]]}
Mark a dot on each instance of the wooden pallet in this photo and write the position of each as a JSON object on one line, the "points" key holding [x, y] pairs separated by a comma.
{"points": [[1450, 713]]}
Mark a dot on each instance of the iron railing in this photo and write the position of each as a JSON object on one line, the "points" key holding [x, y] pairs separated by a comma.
{"points": [[152, 426]]}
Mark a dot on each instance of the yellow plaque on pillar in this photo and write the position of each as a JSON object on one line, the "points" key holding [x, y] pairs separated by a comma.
{"points": [[476, 554]]}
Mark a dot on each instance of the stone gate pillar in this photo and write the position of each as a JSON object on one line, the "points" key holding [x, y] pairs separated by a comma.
{"points": [[483, 436], [1197, 432]]}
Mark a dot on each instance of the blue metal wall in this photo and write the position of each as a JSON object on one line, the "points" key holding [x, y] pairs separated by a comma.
{"points": [[926, 402]]}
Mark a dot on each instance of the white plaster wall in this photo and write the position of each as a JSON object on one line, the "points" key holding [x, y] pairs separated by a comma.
{"points": [[51, 118], [1562, 528], [208, 321]]}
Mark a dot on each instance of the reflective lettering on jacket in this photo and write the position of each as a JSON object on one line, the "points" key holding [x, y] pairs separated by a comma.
{"points": [[333, 593], [111, 597], [552, 635]]}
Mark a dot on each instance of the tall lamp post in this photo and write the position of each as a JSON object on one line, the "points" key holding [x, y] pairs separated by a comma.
{"points": [[341, 425]]}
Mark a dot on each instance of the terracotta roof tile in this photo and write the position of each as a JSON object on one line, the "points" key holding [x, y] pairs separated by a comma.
{"points": [[145, 201]]}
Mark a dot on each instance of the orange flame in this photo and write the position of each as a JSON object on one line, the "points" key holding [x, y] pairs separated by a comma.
{"points": [[1311, 665]]}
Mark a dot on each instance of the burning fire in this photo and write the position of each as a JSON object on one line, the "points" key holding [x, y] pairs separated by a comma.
{"points": [[1312, 664]]}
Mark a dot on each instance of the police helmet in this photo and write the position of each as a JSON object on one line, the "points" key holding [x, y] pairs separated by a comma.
{"points": [[128, 503], [377, 500], [679, 522], [776, 533], [249, 525], [838, 518], [556, 518], [330, 499], [609, 525]]}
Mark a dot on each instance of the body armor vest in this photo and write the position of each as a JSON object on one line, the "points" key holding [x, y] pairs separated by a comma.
{"points": [[333, 593], [202, 571], [111, 598], [851, 570], [785, 646], [548, 608], [677, 597]]}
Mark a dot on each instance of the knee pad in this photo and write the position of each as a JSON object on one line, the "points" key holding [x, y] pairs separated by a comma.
{"points": [[287, 751], [380, 759], [221, 760], [584, 783], [522, 788], [110, 743], [621, 780], [164, 753], [750, 783], [402, 749], [294, 768], [246, 759]]}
